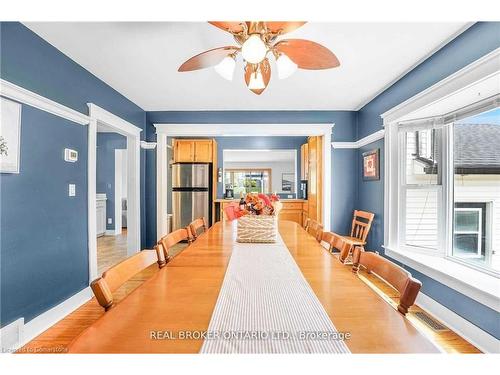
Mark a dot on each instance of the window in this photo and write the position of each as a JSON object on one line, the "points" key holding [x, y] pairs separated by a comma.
{"points": [[248, 181], [421, 188], [449, 189]]}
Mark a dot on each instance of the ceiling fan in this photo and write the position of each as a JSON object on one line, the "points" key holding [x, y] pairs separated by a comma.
{"points": [[256, 40]]}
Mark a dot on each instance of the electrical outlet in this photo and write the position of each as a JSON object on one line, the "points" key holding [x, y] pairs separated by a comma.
{"points": [[110, 220], [71, 190]]}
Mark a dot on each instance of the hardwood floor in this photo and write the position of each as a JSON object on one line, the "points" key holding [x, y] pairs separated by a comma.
{"points": [[56, 338], [111, 250]]}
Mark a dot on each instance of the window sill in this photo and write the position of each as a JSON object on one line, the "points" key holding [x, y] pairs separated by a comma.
{"points": [[479, 286]]}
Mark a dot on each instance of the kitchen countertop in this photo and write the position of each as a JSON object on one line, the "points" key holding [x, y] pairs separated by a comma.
{"points": [[221, 200]]}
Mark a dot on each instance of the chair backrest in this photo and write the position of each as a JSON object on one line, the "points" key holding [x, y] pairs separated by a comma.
{"points": [[327, 240], [306, 223], [195, 226], [314, 229], [397, 277], [163, 246], [114, 277], [360, 228]]}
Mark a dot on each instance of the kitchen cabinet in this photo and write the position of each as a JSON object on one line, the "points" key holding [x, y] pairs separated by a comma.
{"points": [[193, 151], [203, 151], [315, 178], [292, 211], [304, 161]]}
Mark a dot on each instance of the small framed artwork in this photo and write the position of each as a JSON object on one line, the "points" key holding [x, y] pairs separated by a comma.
{"points": [[10, 136], [287, 182], [371, 165]]}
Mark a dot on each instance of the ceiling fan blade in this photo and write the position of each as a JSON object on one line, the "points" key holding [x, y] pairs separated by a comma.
{"points": [[283, 27], [231, 27], [208, 58], [307, 54], [265, 69]]}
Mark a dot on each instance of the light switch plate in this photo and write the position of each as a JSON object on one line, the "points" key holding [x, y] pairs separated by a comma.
{"points": [[71, 190], [110, 220], [70, 155]]}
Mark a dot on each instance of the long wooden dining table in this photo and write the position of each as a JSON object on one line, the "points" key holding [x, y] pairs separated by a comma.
{"points": [[168, 312]]}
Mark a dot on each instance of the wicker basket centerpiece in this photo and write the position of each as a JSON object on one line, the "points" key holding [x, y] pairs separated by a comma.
{"points": [[257, 216]]}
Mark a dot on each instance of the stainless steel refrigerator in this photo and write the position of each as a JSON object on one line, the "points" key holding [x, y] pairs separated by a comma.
{"points": [[191, 195]]}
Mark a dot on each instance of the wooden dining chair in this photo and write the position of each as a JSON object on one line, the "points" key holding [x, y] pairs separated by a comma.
{"points": [[314, 228], [195, 226], [164, 245], [327, 240], [361, 224], [116, 276], [397, 277]]}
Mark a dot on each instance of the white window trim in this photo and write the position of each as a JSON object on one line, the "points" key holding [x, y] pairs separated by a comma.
{"points": [[476, 284]]}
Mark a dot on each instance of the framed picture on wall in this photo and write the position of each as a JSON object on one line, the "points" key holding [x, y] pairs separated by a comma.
{"points": [[10, 136], [287, 182], [371, 165]]}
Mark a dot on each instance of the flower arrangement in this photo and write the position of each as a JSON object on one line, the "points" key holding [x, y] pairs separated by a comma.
{"points": [[254, 204]]}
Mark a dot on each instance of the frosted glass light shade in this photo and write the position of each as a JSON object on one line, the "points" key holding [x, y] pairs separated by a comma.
{"points": [[254, 50], [226, 68], [286, 67], [256, 81]]}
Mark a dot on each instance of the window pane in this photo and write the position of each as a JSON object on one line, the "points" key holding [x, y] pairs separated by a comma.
{"points": [[467, 221], [422, 157], [251, 181], [477, 189], [466, 245], [421, 218]]}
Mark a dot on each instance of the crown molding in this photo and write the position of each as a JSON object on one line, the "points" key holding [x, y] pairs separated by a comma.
{"points": [[21, 95], [477, 70], [361, 142]]}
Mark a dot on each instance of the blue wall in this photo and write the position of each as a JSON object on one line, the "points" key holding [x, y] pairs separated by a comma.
{"points": [[345, 129], [35, 202], [43, 239], [107, 143], [474, 43]]}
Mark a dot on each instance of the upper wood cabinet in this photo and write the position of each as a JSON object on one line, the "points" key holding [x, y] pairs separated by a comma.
{"points": [[304, 161], [193, 150], [203, 151]]}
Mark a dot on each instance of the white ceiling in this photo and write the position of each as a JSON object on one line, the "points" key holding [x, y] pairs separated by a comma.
{"points": [[140, 60], [259, 156]]}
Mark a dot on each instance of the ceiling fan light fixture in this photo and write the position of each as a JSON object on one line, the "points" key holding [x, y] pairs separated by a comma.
{"points": [[256, 81], [286, 67], [226, 67], [254, 50]]}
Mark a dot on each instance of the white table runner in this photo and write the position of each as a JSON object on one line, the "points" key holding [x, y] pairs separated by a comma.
{"points": [[266, 306]]}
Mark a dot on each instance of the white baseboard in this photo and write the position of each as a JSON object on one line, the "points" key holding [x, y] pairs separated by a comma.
{"points": [[476, 336], [46, 320], [11, 336]]}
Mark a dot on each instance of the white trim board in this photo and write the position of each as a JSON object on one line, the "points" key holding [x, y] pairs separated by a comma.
{"points": [[213, 130], [361, 142], [478, 286], [21, 95], [44, 321], [242, 130], [473, 334]]}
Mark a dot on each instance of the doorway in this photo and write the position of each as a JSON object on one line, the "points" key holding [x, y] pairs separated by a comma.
{"points": [[111, 193], [114, 171]]}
